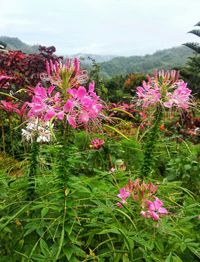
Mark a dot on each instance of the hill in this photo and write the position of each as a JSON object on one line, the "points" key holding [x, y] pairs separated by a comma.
{"points": [[164, 59], [87, 58], [14, 43]]}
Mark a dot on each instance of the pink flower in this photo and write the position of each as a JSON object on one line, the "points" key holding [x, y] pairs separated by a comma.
{"points": [[44, 104], [58, 73], [148, 94], [155, 209], [123, 195], [166, 89], [119, 205], [83, 105], [72, 121], [180, 97], [97, 143], [145, 214]]}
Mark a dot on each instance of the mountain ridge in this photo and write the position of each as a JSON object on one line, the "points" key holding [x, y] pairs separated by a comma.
{"points": [[118, 65]]}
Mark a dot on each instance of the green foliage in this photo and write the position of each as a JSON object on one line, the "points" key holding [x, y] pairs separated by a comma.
{"points": [[191, 74], [186, 168], [96, 77], [115, 87], [83, 223]]}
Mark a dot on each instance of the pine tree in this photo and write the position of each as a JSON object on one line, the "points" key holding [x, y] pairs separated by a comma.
{"points": [[194, 46], [191, 73]]}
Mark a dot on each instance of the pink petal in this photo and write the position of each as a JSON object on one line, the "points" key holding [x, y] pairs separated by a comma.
{"points": [[49, 115], [151, 206], [91, 87], [71, 120], [158, 203], [72, 91], [68, 106], [40, 91], [50, 90], [81, 92], [83, 117], [123, 193], [60, 115], [119, 205], [162, 210], [154, 215]]}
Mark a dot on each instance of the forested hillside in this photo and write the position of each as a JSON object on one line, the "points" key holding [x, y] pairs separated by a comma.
{"points": [[164, 59]]}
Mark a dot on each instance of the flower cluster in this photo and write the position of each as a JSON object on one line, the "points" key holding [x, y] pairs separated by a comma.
{"points": [[81, 106], [38, 131], [166, 89], [142, 193]]}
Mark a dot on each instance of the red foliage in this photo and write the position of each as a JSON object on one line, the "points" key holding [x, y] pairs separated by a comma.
{"points": [[25, 69]]}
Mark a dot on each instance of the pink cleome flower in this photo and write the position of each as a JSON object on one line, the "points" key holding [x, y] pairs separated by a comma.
{"points": [[155, 209], [165, 89], [58, 73], [97, 143], [81, 107], [44, 105], [180, 97], [123, 195], [148, 95]]}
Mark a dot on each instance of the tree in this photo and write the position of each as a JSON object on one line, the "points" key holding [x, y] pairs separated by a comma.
{"points": [[191, 73], [194, 46]]}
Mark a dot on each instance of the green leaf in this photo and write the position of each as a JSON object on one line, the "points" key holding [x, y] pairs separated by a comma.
{"points": [[44, 248], [159, 245], [110, 230], [44, 211], [177, 259], [169, 258], [68, 252]]}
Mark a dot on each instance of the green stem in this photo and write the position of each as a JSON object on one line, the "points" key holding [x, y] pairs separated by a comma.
{"points": [[11, 136], [33, 170], [150, 144], [3, 136]]}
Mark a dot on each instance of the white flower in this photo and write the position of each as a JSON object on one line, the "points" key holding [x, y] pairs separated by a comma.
{"points": [[28, 136], [37, 130]]}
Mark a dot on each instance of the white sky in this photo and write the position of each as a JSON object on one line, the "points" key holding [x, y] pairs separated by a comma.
{"points": [[119, 27]]}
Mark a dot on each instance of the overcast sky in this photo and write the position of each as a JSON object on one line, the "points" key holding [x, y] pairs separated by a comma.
{"points": [[119, 27]]}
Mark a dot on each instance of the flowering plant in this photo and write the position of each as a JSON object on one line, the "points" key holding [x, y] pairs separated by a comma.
{"points": [[165, 89], [81, 105], [142, 193]]}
